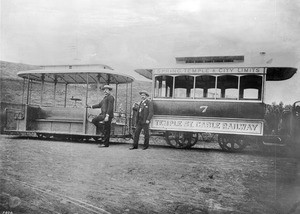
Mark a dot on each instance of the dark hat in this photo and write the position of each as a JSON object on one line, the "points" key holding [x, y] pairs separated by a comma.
{"points": [[107, 86], [144, 92]]}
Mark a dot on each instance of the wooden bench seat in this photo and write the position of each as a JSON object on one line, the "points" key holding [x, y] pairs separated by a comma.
{"points": [[59, 119], [60, 112]]}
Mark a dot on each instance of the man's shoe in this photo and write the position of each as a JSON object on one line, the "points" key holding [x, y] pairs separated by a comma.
{"points": [[145, 148], [103, 146], [131, 148]]}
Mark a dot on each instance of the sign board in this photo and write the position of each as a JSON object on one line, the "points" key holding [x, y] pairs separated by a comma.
{"points": [[238, 126], [224, 70]]}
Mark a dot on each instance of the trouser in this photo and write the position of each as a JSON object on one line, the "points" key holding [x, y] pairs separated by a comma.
{"points": [[106, 128], [139, 127]]}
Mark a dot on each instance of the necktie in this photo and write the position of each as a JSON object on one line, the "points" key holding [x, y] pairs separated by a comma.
{"points": [[140, 108]]}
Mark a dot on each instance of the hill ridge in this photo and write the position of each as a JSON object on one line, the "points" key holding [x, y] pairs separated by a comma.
{"points": [[9, 70]]}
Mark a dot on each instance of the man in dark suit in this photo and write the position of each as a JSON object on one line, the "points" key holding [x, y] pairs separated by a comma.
{"points": [[144, 113], [106, 115]]}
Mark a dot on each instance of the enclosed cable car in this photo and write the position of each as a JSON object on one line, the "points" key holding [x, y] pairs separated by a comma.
{"points": [[217, 98]]}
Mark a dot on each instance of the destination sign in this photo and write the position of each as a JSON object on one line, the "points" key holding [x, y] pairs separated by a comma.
{"points": [[226, 126], [251, 70]]}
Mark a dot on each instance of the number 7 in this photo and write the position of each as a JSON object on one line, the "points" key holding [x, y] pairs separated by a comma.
{"points": [[204, 108]]}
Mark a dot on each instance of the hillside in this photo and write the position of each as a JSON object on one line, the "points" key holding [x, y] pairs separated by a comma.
{"points": [[9, 70]]}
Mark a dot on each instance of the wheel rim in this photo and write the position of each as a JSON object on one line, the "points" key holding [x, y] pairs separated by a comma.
{"points": [[232, 143], [180, 140]]}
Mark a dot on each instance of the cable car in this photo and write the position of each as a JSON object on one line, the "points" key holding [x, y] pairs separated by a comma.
{"points": [[57, 114], [217, 95]]}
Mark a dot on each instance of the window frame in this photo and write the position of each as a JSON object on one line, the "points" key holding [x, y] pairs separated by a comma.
{"points": [[261, 88], [221, 93]]}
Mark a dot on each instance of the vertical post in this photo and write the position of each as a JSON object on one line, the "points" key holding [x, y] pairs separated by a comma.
{"points": [[154, 87], [23, 91], [194, 86], [86, 101], [54, 92], [66, 92], [116, 99], [87, 89], [130, 106], [263, 85], [42, 89], [239, 88], [26, 106], [23, 105], [173, 89], [28, 89], [216, 85], [126, 108]]}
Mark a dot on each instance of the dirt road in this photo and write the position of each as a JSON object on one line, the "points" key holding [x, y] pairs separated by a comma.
{"points": [[67, 177]]}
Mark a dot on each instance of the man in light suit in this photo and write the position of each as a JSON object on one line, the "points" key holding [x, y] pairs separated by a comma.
{"points": [[106, 115], [144, 113]]}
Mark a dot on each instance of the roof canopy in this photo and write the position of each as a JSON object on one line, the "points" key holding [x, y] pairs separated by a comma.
{"points": [[77, 74], [272, 73]]}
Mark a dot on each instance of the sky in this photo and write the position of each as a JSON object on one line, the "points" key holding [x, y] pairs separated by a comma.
{"points": [[132, 34]]}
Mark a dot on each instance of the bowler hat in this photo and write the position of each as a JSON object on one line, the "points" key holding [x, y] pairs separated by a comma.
{"points": [[144, 92], [107, 86]]}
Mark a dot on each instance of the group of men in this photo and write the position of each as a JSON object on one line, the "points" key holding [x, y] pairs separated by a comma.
{"points": [[143, 110]]}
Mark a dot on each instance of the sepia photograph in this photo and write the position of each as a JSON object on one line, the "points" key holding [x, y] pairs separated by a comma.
{"points": [[149, 107]]}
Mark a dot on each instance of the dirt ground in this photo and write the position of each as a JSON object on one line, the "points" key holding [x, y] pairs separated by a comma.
{"points": [[67, 177]]}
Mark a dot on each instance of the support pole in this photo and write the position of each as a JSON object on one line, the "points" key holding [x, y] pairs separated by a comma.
{"points": [[126, 108], [216, 87], [23, 97], [116, 99], [54, 92], [194, 86], [66, 92], [130, 106], [26, 106], [86, 101], [87, 90], [28, 89], [23, 91], [42, 89]]}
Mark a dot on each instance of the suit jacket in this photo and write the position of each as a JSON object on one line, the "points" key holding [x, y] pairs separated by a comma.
{"points": [[106, 105], [144, 111]]}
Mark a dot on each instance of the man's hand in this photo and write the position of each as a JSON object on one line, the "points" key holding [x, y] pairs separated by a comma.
{"points": [[135, 105], [147, 121], [106, 118]]}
